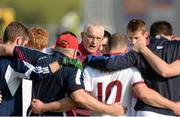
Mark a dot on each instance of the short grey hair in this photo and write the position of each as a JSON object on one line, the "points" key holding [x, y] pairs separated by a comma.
{"points": [[93, 24]]}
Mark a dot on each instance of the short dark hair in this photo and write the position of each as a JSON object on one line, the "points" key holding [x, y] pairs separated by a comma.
{"points": [[117, 40], [136, 25], [107, 34], [15, 29], [161, 27]]}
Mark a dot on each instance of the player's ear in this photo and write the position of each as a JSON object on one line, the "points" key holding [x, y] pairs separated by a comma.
{"points": [[82, 35], [18, 40], [146, 34]]}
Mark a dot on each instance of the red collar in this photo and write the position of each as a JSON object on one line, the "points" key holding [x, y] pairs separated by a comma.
{"points": [[83, 51]]}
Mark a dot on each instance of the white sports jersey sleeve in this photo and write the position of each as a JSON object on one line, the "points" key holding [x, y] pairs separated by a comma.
{"points": [[87, 81], [136, 76]]}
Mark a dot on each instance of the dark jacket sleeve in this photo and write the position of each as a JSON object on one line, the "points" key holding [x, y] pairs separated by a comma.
{"points": [[113, 62], [28, 71], [27, 54]]}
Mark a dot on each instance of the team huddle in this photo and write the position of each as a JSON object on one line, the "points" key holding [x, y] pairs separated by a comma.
{"points": [[104, 75]]}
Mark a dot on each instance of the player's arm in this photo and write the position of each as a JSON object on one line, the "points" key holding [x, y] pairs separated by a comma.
{"points": [[56, 65], [27, 71], [153, 98], [150, 96], [26, 54], [62, 105], [31, 56], [84, 99], [67, 104], [113, 62], [159, 65]]}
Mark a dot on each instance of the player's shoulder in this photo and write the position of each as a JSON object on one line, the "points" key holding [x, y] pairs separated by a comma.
{"points": [[174, 43], [132, 70], [70, 69], [90, 69], [20, 50], [92, 72]]}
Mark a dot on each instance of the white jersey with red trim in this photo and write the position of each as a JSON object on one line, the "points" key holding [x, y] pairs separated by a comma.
{"points": [[110, 87]]}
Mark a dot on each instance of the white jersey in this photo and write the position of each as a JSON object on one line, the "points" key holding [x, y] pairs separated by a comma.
{"points": [[110, 87]]}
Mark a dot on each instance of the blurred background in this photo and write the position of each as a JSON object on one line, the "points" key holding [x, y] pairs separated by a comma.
{"points": [[60, 15]]}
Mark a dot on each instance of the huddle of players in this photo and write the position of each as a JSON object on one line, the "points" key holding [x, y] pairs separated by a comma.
{"points": [[109, 84]]}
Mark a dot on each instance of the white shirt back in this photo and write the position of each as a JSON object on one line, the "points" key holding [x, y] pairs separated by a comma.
{"points": [[110, 87]]}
